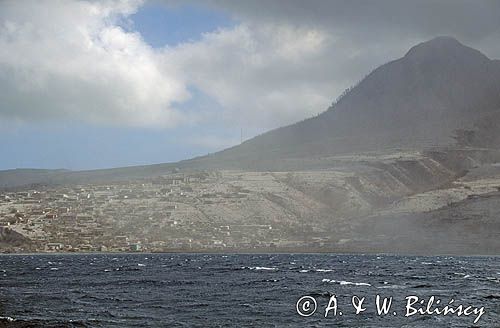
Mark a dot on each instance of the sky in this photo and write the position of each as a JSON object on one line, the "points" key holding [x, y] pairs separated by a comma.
{"points": [[98, 84]]}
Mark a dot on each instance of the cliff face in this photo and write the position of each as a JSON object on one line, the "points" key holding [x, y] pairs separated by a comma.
{"points": [[373, 182]]}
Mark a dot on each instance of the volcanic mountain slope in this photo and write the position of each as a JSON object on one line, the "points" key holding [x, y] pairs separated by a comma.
{"points": [[411, 103]]}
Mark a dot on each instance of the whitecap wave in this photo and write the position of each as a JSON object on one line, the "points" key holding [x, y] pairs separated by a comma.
{"points": [[344, 283], [9, 319], [259, 268]]}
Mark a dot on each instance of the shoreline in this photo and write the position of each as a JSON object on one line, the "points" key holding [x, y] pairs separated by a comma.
{"points": [[250, 252]]}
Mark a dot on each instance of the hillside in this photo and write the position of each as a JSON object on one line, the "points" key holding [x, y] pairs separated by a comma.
{"points": [[414, 102]]}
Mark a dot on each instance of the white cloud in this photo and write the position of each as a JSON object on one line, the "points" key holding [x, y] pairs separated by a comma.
{"points": [[70, 59], [261, 75]]}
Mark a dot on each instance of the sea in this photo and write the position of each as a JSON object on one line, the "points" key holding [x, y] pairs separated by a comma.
{"points": [[248, 290]]}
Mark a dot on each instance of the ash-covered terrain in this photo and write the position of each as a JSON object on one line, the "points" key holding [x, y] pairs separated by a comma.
{"points": [[405, 162]]}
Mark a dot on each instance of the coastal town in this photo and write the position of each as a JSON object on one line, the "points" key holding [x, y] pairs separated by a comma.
{"points": [[187, 212], [351, 207]]}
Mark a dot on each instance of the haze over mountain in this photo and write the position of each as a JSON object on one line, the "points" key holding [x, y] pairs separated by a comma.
{"points": [[414, 102]]}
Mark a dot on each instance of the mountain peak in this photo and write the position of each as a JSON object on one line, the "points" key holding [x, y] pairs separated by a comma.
{"points": [[442, 46], [444, 40]]}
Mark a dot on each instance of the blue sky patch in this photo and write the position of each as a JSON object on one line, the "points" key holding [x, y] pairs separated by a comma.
{"points": [[162, 25]]}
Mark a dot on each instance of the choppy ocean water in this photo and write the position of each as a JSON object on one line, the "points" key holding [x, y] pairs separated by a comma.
{"points": [[251, 290]]}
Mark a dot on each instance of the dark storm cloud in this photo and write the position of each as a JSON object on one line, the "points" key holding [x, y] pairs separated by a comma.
{"points": [[468, 20]]}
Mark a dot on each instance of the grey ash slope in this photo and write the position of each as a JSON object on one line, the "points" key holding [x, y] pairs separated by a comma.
{"points": [[410, 103]]}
